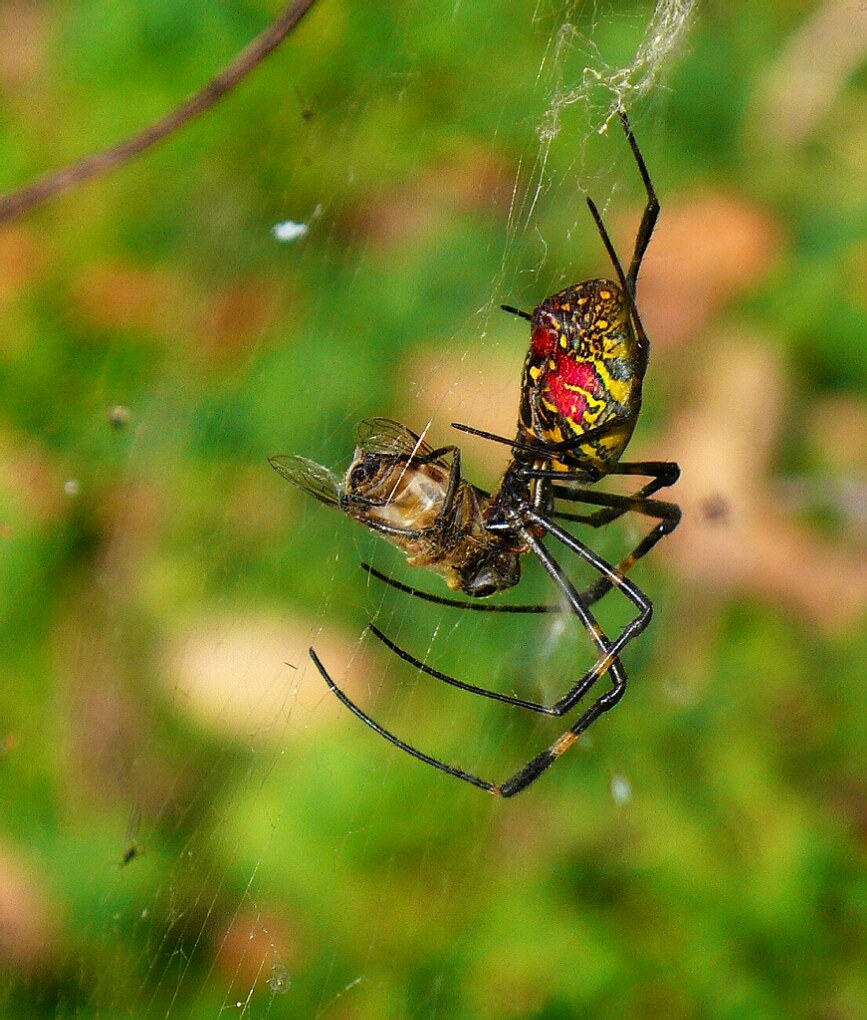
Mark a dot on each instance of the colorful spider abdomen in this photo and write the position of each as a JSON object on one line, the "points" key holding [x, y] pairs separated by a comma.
{"points": [[584, 369]]}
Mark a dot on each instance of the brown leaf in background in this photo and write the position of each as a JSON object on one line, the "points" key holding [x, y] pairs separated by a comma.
{"points": [[256, 949], [705, 251], [23, 40], [470, 179], [232, 321], [736, 536], [29, 931], [154, 300], [161, 302], [22, 260], [31, 481]]}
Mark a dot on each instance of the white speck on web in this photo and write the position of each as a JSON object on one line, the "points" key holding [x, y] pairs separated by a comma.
{"points": [[621, 789], [289, 230]]}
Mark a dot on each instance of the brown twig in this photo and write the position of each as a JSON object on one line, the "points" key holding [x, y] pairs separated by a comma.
{"points": [[17, 202]]}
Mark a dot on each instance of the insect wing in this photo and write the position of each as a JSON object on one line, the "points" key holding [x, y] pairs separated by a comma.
{"points": [[309, 476], [384, 436]]}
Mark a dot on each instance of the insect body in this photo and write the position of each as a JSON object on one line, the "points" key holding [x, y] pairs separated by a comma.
{"points": [[580, 400], [403, 489]]}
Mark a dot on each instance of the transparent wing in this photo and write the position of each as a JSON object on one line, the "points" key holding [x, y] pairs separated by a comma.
{"points": [[382, 435], [309, 476]]}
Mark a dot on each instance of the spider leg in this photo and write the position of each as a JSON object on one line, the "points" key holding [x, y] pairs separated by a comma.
{"points": [[526, 775], [548, 449], [559, 708], [468, 777], [588, 596], [668, 514], [441, 600], [534, 768], [517, 311], [663, 474], [627, 287], [609, 662], [651, 209], [617, 506], [578, 603], [578, 606], [422, 667], [380, 528], [628, 280], [601, 587]]}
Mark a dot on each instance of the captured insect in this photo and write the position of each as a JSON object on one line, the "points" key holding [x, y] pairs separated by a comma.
{"points": [[580, 401]]}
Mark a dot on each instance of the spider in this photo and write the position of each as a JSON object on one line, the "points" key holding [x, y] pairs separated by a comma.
{"points": [[580, 401]]}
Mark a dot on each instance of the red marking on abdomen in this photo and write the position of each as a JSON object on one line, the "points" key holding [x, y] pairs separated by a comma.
{"points": [[568, 374], [544, 341]]}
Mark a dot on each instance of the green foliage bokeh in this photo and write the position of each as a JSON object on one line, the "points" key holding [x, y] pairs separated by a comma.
{"points": [[731, 884]]}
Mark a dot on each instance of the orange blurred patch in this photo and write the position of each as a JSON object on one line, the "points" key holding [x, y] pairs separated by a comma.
{"points": [[23, 40], [258, 950], [251, 677], [234, 319], [113, 296], [22, 260], [132, 517], [468, 180], [161, 302], [30, 483], [28, 920]]}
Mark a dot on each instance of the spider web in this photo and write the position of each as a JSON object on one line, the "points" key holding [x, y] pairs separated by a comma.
{"points": [[221, 839]]}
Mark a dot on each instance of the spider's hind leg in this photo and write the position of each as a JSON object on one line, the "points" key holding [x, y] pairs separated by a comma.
{"points": [[534, 768], [451, 770], [528, 773], [578, 604]]}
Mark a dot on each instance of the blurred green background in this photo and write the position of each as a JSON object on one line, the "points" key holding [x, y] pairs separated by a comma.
{"points": [[191, 825]]}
